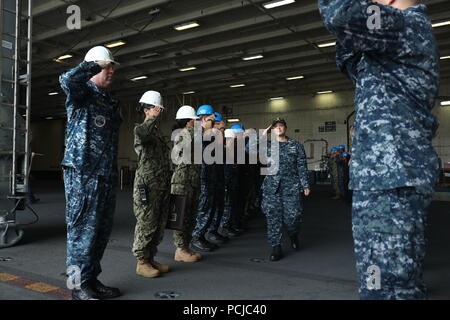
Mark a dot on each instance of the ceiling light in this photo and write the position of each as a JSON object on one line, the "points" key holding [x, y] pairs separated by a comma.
{"points": [[53, 93], [277, 3], [295, 78], [187, 25], [66, 56], [237, 85], [324, 92], [233, 120], [139, 78], [441, 24], [327, 44], [446, 57], [189, 92], [187, 69], [115, 44], [445, 103], [277, 98], [49, 118], [259, 56]]}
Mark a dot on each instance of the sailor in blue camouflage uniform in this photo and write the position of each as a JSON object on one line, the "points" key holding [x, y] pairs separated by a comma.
{"points": [[213, 234], [394, 168], [282, 191], [90, 169], [231, 181], [208, 187]]}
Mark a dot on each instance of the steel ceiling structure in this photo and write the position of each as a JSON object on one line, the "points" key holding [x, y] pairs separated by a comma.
{"points": [[287, 37]]}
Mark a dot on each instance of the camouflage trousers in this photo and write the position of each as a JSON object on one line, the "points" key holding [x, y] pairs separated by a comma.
{"points": [[90, 205], [218, 209], [151, 220], [181, 239], [206, 208], [231, 207], [389, 239], [283, 208]]}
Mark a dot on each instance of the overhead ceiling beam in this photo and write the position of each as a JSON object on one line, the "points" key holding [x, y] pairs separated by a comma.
{"points": [[48, 6], [120, 12]]}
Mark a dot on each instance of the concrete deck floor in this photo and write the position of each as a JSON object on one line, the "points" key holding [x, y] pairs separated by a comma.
{"points": [[323, 269]]}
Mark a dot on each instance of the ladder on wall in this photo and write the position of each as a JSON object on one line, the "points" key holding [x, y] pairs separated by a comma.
{"points": [[15, 109]]}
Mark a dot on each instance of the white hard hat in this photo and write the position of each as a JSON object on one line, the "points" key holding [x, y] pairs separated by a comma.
{"points": [[229, 133], [100, 53], [186, 112], [152, 98]]}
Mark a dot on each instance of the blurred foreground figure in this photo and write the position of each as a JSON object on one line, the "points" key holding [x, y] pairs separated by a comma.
{"points": [[388, 50]]}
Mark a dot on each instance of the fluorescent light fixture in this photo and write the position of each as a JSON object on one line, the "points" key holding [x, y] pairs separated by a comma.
{"points": [[233, 120], [324, 92], [49, 118], [187, 25], [445, 57], [445, 103], [188, 92], [115, 44], [187, 69], [237, 85], [295, 78], [441, 24], [277, 3], [139, 78], [66, 56], [327, 44], [258, 56], [53, 93], [276, 98]]}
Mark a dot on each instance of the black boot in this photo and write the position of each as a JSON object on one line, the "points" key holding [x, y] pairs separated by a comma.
{"points": [[294, 241], [277, 253], [105, 292], [201, 245], [214, 238], [86, 292], [232, 232]]}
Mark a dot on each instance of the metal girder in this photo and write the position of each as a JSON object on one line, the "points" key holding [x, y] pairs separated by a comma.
{"points": [[126, 10]]}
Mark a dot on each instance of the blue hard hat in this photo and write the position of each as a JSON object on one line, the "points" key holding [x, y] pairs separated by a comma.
{"points": [[334, 149], [341, 146], [238, 128], [346, 154], [218, 116], [205, 109]]}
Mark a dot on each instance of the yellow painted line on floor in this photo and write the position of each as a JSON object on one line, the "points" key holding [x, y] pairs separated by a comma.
{"points": [[41, 287], [8, 277]]}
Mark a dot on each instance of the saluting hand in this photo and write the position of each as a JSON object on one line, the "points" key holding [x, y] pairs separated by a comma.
{"points": [[266, 131], [153, 113]]}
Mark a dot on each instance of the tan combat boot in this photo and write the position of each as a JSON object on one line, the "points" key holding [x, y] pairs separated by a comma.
{"points": [[145, 269], [163, 268], [197, 254], [183, 255]]}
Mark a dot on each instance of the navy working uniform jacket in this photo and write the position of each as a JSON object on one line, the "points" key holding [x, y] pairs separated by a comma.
{"points": [[395, 70], [93, 122]]}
